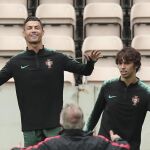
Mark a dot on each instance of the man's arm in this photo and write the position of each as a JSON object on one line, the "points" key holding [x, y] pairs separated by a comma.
{"points": [[117, 143], [5, 73], [97, 110], [43, 145], [74, 66]]}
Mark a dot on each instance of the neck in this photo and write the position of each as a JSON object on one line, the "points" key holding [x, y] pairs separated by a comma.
{"points": [[130, 80], [35, 46]]}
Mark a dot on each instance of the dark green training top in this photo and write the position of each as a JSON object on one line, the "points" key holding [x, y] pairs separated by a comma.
{"points": [[124, 109], [39, 79]]}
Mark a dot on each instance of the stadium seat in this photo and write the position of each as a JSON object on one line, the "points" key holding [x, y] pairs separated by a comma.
{"points": [[63, 44], [11, 30], [11, 45], [102, 19], [106, 61], [108, 45], [142, 43], [70, 90], [69, 78], [95, 1], [12, 14], [100, 74], [59, 19], [14, 2], [140, 19], [145, 61], [144, 74], [12, 17], [138, 1], [57, 1]]}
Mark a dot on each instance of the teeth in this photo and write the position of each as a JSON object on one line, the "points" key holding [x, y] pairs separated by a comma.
{"points": [[34, 36]]}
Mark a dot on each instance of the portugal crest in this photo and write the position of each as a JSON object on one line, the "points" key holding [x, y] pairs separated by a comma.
{"points": [[135, 100], [49, 63]]}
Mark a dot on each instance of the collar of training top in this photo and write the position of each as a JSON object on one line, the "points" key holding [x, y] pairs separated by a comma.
{"points": [[30, 51], [132, 84]]}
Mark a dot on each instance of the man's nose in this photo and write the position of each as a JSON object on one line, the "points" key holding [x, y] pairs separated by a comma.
{"points": [[33, 30], [123, 65]]}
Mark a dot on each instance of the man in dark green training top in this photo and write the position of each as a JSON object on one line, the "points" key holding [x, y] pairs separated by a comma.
{"points": [[39, 77], [123, 101]]}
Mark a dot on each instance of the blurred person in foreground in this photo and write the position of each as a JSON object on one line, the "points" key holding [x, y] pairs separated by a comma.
{"points": [[73, 137]]}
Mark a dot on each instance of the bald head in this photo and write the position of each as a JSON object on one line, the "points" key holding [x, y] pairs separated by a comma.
{"points": [[72, 117]]}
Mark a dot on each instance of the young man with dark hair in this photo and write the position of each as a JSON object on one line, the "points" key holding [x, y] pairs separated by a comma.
{"points": [[39, 77], [124, 101], [74, 138]]}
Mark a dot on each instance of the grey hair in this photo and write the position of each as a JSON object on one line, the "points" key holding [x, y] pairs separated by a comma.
{"points": [[71, 117]]}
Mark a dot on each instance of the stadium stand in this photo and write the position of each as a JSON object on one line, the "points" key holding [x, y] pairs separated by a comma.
{"points": [[93, 1], [140, 22], [72, 2], [66, 44], [11, 21], [70, 90], [139, 1], [103, 19], [16, 15], [141, 43], [11, 45], [144, 74], [69, 78], [109, 45], [101, 74], [59, 19], [24, 2]]}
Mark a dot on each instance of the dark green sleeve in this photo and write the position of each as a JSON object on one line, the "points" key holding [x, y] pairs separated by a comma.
{"points": [[74, 66], [97, 110], [6, 73], [148, 106]]}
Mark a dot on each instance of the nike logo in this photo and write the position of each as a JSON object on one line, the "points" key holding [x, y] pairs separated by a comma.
{"points": [[111, 96], [23, 67]]}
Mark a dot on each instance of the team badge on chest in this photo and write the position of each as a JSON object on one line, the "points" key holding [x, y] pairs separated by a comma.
{"points": [[135, 100], [49, 63]]}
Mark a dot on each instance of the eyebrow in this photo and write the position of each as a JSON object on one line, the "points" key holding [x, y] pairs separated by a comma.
{"points": [[33, 26]]}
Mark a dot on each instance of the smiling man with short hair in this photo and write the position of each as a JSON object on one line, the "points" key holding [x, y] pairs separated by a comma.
{"points": [[39, 78]]}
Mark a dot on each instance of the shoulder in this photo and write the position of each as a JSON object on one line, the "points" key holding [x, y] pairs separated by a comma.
{"points": [[120, 144], [52, 139], [102, 138], [144, 86], [54, 52], [14, 58], [48, 142], [111, 82], [21, 54]]}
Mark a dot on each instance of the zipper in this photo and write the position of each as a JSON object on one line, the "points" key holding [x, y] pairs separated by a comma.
{"points": [[37, 61]]}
